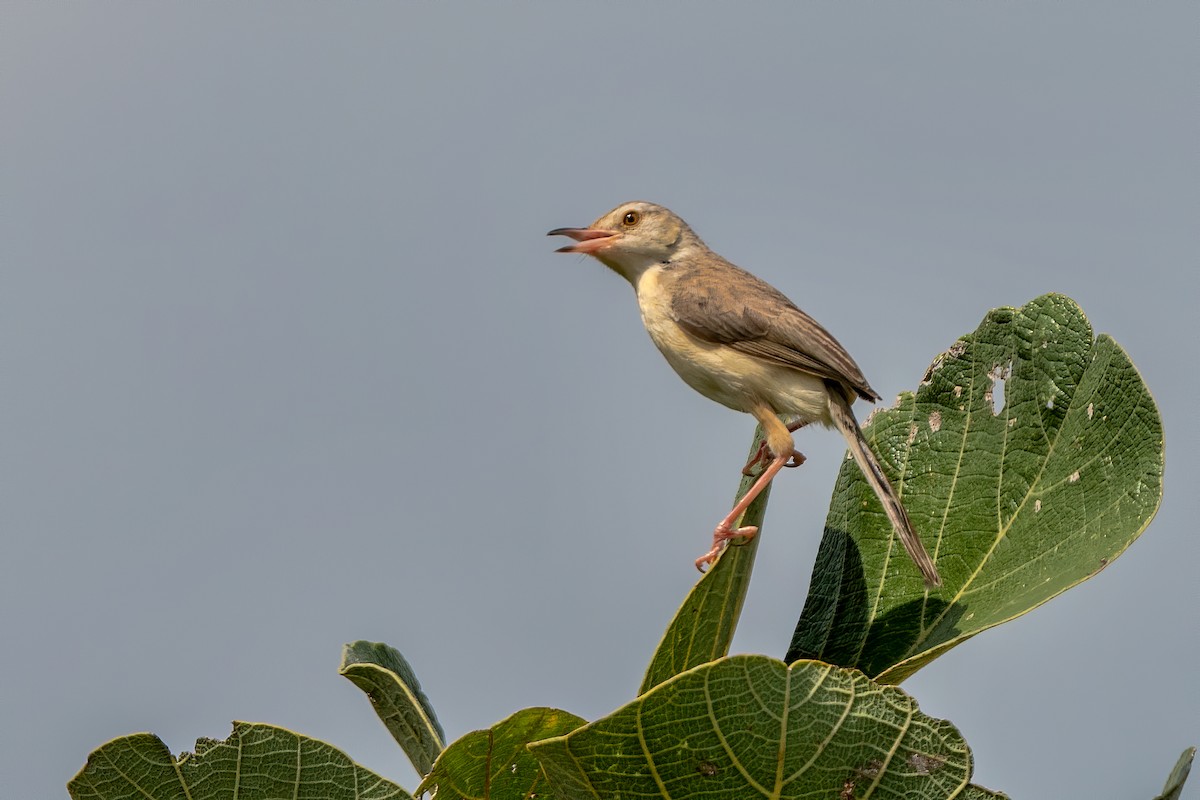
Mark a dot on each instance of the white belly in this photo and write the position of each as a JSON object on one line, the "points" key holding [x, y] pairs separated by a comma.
{"points": [[723, 374]]}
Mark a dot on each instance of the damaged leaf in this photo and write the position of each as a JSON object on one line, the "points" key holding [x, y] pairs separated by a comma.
{"points": [[1030, 457], [750, 726], [255, 761]]}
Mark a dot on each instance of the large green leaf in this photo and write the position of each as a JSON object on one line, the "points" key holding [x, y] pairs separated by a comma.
{"points": [[392, 687], [257, 762], [495, 763], [703, 627], [751, 726], [1019, 491]]}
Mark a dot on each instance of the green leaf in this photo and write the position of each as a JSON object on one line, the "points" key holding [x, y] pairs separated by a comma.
{"points": [[255, 762], [703, 628], [974, 792], [1016, 502], [495, 763], [392, 687], [1178, 777], [751, 726]]}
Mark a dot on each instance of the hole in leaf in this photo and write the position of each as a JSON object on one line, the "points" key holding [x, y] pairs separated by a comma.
{"points": [[995, 394]]}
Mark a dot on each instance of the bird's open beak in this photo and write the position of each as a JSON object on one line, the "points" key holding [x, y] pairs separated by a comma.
{"points": [[589, 239]]}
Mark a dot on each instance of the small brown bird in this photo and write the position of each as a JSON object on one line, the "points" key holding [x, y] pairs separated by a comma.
{"points": [[739, 341]]}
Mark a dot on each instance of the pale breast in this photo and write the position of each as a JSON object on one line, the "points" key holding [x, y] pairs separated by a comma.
{"points": [[721, 373]]}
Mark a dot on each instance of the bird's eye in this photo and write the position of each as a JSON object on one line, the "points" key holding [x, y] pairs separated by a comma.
{"points": [[630, 219]]}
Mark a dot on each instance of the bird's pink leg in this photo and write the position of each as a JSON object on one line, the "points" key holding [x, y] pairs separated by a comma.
{"points": [[725, 530], [782, 448]]}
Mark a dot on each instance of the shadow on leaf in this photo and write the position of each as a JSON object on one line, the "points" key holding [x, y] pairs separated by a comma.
{"points": [[837, 625]]}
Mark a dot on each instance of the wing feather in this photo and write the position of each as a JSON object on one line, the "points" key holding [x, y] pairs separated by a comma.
{"points": [[755, 318]]}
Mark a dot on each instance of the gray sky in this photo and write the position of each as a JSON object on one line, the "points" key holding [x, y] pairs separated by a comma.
{"points": [[288, 360]]}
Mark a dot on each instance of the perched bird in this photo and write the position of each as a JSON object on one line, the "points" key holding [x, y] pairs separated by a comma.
{"points": [[739, 341]]}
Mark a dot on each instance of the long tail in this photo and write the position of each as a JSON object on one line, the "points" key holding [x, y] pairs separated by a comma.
{"points": [[843, 418]]}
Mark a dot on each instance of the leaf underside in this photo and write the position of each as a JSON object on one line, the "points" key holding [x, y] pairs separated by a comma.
{"points": [[751, 726], [495, 763], [255, 761], [392, 687], [1174, 786]]}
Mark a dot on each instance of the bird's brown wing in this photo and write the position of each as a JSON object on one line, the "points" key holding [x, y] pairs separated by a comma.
{"points": [[755, 318]]}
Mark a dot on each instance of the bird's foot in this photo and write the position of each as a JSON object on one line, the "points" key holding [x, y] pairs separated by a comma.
{"points": [[760, 455], [721, 535], [763, 457]]}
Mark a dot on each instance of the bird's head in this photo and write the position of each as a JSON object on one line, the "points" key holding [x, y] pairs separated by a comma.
{"points": [[632, 237]]}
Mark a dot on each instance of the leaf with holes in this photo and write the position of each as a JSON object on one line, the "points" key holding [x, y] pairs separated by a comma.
{"points": [[1030, 457], [255, 761], [751, 726]]}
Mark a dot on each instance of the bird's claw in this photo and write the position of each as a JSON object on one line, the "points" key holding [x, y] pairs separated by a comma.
{"points": [[721, 536], [797, 458], [760, 455]]}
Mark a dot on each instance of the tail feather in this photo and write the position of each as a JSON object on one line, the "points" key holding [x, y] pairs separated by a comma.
{"points": [[843, 418]]}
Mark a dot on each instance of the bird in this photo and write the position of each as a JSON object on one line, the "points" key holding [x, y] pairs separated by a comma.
{"points": [[738, 340]]}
